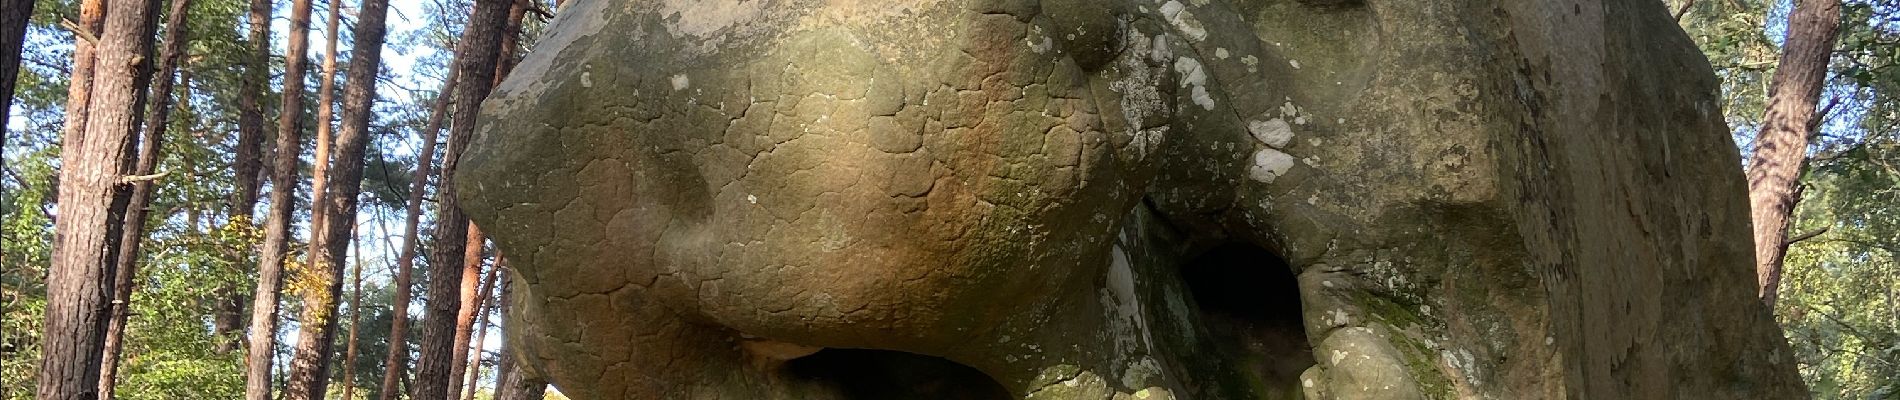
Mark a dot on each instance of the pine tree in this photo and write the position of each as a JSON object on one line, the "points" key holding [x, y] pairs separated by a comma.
{"points": [[481, 41], [96, 148], [284, 181], [332, 233], [1781, 149], [133, 235], [247, 165]]}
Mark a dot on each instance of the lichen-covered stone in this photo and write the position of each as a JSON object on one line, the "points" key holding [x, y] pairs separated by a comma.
{"points": [[1065, 199]]}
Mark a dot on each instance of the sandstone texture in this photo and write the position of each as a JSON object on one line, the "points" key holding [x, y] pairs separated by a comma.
{"points": [[1123, 199]]}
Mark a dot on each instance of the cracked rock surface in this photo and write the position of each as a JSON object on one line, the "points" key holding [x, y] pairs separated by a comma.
{"points": [[1123, 199]]}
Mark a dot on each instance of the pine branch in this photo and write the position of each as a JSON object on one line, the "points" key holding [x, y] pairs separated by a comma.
{"points": [[1805, 236], [80, 32]]}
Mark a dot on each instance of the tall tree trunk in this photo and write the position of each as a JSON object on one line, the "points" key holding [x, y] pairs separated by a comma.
{"points": [[1774, 170], [481, 40], [326, 107], [283, 196], [93, 200], [14, 15], [467, 377], [133, 235], [405, 262], [247, 166], [91, 26], [508, 56], [465, 317], [331, 234], [484, 304], [511, 381], [356, 318]]}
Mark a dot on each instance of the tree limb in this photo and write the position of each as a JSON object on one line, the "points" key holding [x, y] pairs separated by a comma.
{"points": [[1805, 236], [1684, 10], [131, 179], [80, 32]]}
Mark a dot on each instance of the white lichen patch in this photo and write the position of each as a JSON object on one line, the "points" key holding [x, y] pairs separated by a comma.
{"points": [[1252, 63], [1221, 53], [1462, 364], [1294, 63], [1183, 20], [1140, 93], [1159, 51], [1194, 78], [1269, 164], [1147, 140], [587, 79], [1273, 132], [1038, 41], [681, 82]]}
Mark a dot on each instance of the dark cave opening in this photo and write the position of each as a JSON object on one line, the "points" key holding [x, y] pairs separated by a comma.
{"points": [[1248, 300], [884, 374]]}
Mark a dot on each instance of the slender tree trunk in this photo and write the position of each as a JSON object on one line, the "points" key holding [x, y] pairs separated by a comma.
{"points": [[487, 303], [284, 179], [1774, 170], [481, 40], [508, 56], [356, 319], [93, 199], [14, 15], [473, 370], [511, 381], [247, 166], [474, 308], [465, 317], [91, 26], [332, 233], [405, 262], [133, 235], [326, 107]]}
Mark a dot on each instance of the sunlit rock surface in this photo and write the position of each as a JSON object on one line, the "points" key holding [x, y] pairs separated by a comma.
{"points": [[1123, 199]]}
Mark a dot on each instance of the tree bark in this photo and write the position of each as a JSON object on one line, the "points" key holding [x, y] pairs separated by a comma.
{"points": [[405, 262], [356, 319], [247, 166], [133, 235], [470, 302], [481, 41], [467, 377], [1774, 169], [14, 16], [482, 304], [331, 234], [508, 56], [92, 199], [326, 106], [92, 19], [284, 177]]}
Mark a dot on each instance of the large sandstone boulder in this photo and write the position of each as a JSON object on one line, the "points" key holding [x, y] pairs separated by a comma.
{"points": [[1116, 199]]}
